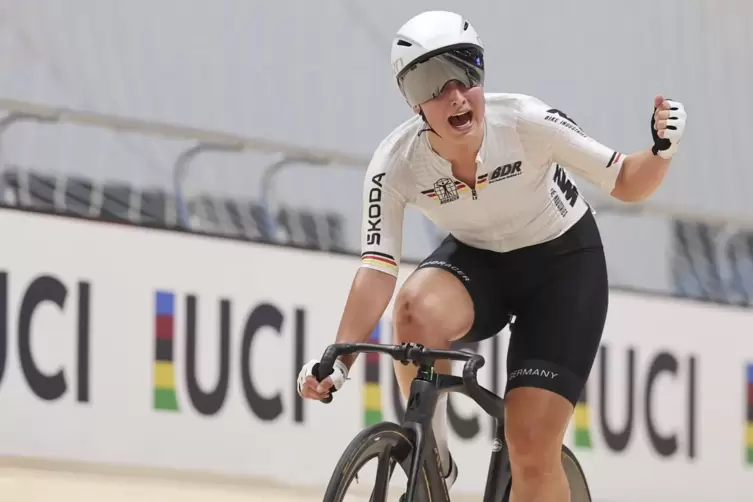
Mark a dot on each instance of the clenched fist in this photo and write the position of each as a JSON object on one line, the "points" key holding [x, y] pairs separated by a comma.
{"points": [[667, 126]]}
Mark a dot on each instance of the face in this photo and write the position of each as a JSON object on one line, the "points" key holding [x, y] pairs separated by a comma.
{"points": [[457, 113]]}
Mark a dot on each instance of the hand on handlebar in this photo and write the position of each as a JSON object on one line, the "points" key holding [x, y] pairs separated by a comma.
{"points": [[335, 371], [310, 388]]}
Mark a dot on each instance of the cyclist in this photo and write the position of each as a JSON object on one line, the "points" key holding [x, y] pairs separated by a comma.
{"points": [[492, 170]]}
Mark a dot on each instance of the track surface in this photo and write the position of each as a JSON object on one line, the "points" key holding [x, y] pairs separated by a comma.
{"points": [[65, 483]]}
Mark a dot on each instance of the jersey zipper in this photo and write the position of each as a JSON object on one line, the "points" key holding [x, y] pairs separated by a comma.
{"points": [[473, 192]]}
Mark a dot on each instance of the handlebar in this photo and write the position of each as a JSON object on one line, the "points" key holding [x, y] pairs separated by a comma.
{"points": [[419, 355]]}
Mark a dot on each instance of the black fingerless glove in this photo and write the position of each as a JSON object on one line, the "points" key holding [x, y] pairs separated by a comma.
{"points": [[660, 144]]}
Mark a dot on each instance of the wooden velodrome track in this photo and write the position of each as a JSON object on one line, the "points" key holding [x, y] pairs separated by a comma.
{"points": [[35, 480]]}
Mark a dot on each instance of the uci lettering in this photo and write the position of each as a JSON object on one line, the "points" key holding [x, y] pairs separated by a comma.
{"points": [[567, 188], [46, 289], [642, 383], [373, 231], [209, 402]]}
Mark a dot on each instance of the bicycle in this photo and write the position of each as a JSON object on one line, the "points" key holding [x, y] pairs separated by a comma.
{"points": [[412, 443]]}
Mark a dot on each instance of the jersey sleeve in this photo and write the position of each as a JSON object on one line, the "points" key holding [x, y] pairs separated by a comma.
{"points": [[541, 126], [382, 218]]}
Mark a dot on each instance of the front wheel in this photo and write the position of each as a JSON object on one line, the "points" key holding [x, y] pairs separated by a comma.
{"points": [[576, 478], [579, 491], [386, 441]]}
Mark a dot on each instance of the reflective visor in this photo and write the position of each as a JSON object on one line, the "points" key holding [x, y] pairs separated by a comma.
{"points": [[426, 80]]}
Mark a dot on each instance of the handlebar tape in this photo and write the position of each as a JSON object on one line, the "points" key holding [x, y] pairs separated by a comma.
{"points": [[322, 370]]}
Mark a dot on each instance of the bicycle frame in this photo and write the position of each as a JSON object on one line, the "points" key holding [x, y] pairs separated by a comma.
{"points": [[422, 401], [424, 393]]}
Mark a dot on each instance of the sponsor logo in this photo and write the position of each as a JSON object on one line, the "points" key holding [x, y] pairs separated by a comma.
{"points": [[560, 113], [641, 383], [374, 212], [558, 202], [506, 172], [73, 303], [444, 264], [568, 189], [208, 400], [560, 118], [749, 415], [446, 190]]}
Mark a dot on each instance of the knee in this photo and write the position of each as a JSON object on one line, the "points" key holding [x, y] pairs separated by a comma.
{"points": [[414, 311], [534, 452], [534, 437], [420, 314]]}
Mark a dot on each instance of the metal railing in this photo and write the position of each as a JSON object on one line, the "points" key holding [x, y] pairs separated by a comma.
{"points": [[206, 140], [203, 141]]}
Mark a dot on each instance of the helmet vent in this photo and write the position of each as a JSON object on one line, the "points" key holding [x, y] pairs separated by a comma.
{"points": [[404, 43], [465, 26]]}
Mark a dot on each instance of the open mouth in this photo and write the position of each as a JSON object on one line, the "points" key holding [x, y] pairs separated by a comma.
{"points": [[461, 121]]}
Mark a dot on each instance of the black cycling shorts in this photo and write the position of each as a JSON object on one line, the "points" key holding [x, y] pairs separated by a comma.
{"points": [[558, 293]]}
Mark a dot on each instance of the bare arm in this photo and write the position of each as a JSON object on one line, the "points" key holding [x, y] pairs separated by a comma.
{"points": [[374, 283], [629, 178], [369, 296], [640, 176], [381, 242], [368, 299]]}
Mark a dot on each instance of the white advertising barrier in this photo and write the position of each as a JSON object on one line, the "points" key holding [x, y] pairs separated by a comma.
{"points": [[130, 346]]}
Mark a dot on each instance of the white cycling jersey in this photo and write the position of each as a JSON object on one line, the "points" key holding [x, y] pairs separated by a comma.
{"points": [[522, 195]]}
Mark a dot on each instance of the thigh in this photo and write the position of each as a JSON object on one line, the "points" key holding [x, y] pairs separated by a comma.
{"points": [[473, 270], [559, 324]]}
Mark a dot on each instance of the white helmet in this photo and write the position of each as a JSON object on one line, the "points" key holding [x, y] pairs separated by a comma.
{"points": [[433, 48]]}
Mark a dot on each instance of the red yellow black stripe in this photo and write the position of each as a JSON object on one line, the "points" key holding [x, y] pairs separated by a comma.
{"points": [[377, 258]]}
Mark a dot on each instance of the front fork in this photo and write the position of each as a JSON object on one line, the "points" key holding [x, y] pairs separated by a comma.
{"points": [[418, 416], [498, 477]]}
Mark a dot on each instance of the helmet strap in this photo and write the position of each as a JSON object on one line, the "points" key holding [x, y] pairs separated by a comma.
{"points": [[428, 127]]}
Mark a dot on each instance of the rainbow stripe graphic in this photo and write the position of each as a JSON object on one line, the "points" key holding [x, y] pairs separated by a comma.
{"points": [[372, 395], [749, 415], [164, 370], [582, 422]]}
